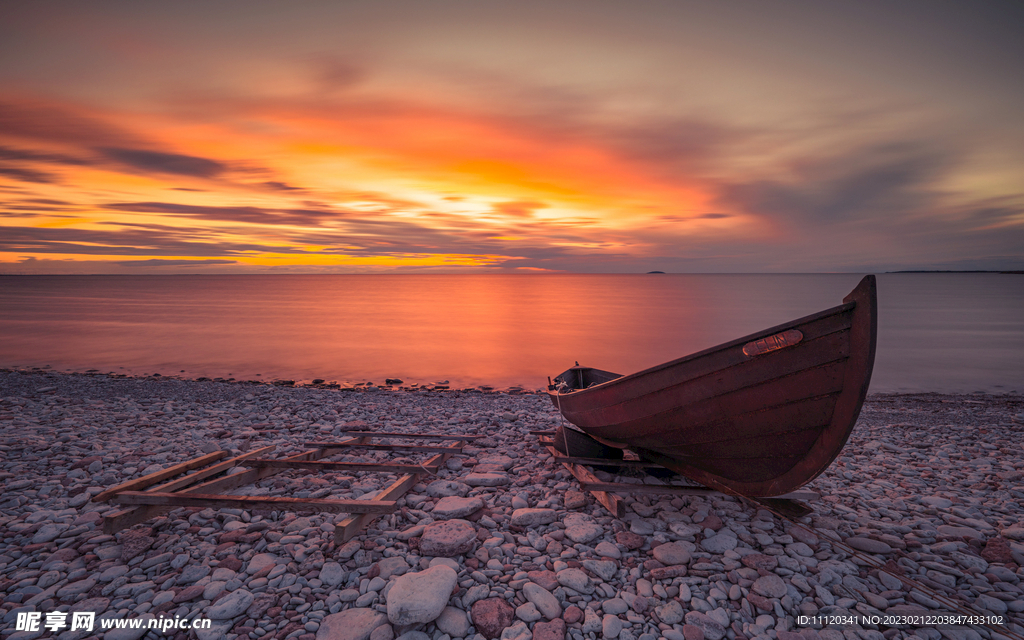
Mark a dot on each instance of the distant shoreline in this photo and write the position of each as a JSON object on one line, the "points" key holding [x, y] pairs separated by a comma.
{"points": [[953, 271]]}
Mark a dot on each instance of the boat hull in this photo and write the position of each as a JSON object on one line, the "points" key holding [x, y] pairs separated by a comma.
{"points": [[759, 416]]}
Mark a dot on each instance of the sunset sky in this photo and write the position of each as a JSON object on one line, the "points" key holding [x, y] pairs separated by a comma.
{"points": [[527, 136]]}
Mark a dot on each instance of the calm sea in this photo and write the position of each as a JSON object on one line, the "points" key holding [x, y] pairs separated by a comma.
{"points": [[937, 332]]}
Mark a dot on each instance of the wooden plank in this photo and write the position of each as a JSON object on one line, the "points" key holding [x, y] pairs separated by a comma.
{"points": [[622, 487], [349, 527], [411, 436], [163, 474], [610, 501], [131, 517], [322, 465], [179, 483], [341, 446], [254, 502]]}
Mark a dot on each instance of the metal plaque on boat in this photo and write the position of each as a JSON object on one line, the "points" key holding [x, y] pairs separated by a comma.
{"points": [[773, 343]]}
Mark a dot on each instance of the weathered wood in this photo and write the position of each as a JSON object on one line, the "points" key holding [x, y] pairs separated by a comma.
{"points": [[341, 446], [349, 527], [609, 501], [125, 518], [157, 476], [773, 343], [213, 470], [218, 501], [623, 487], [323, 465], [411, 436]]}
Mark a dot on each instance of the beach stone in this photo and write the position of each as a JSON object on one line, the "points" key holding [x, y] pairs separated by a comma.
{"points": [[615, 606], [581, 528], [516, 631], [769, 586], [572, 614], [351, 624], [611, 627], [959, 532], [75, 588], [868, 545], [383, 632], [997, 549], [420, 597], [711, 629], [670, 612], [576, 580], [232, 605], [759, 561], [719, 544], [48, 533], [604, 569], [499, 460], [527, 612], [134, 543], [554, 630], [396, 566], [544, 578], [575, 500], [454, 622], [533, 517], [671, 553], [994, 605], [607, 550], [455, 507], [684, 529], [492, 616], [448, 539], [591, 621], [332, 574], [260, 605], [1016, 532], [475, 594], [487, 479], [631, 541], [969, 562], [691, 632], [937, 502], [259, 562], [447, 488], [545, 602]]}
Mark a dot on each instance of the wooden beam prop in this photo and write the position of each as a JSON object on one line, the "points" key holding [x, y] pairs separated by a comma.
{"points": [[321, 465], [410, 436], [609, 501], [340, 446], [157, 476], [349, 527], [218, 501]]}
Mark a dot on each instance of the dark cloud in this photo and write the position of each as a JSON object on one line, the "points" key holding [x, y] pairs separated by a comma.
{"points": [[41, 121], [159, 262], [124, 242], [27, 175], [884, 182], [23, 155], [254, 215], [160, 162], [280, 186]]}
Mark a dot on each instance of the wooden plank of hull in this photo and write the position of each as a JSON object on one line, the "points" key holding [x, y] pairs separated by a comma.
{"points": [[673, 427], [846, 376], [747, 375], [708, 362], [761, 423]]}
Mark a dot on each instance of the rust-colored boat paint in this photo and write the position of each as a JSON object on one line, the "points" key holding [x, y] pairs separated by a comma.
{"points": [[759, 416]]}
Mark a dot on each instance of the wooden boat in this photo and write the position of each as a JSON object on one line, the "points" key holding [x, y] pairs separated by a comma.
{"points": [[759, 416]]}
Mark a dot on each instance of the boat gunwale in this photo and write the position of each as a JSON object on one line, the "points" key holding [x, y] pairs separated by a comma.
{"points": [[836, 310]]}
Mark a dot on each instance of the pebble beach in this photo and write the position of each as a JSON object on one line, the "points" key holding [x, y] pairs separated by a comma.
{"points": [[921, 511]]}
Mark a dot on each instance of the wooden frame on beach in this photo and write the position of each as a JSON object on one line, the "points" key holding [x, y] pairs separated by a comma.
{"points": [[606, 493], [149, 496]]}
